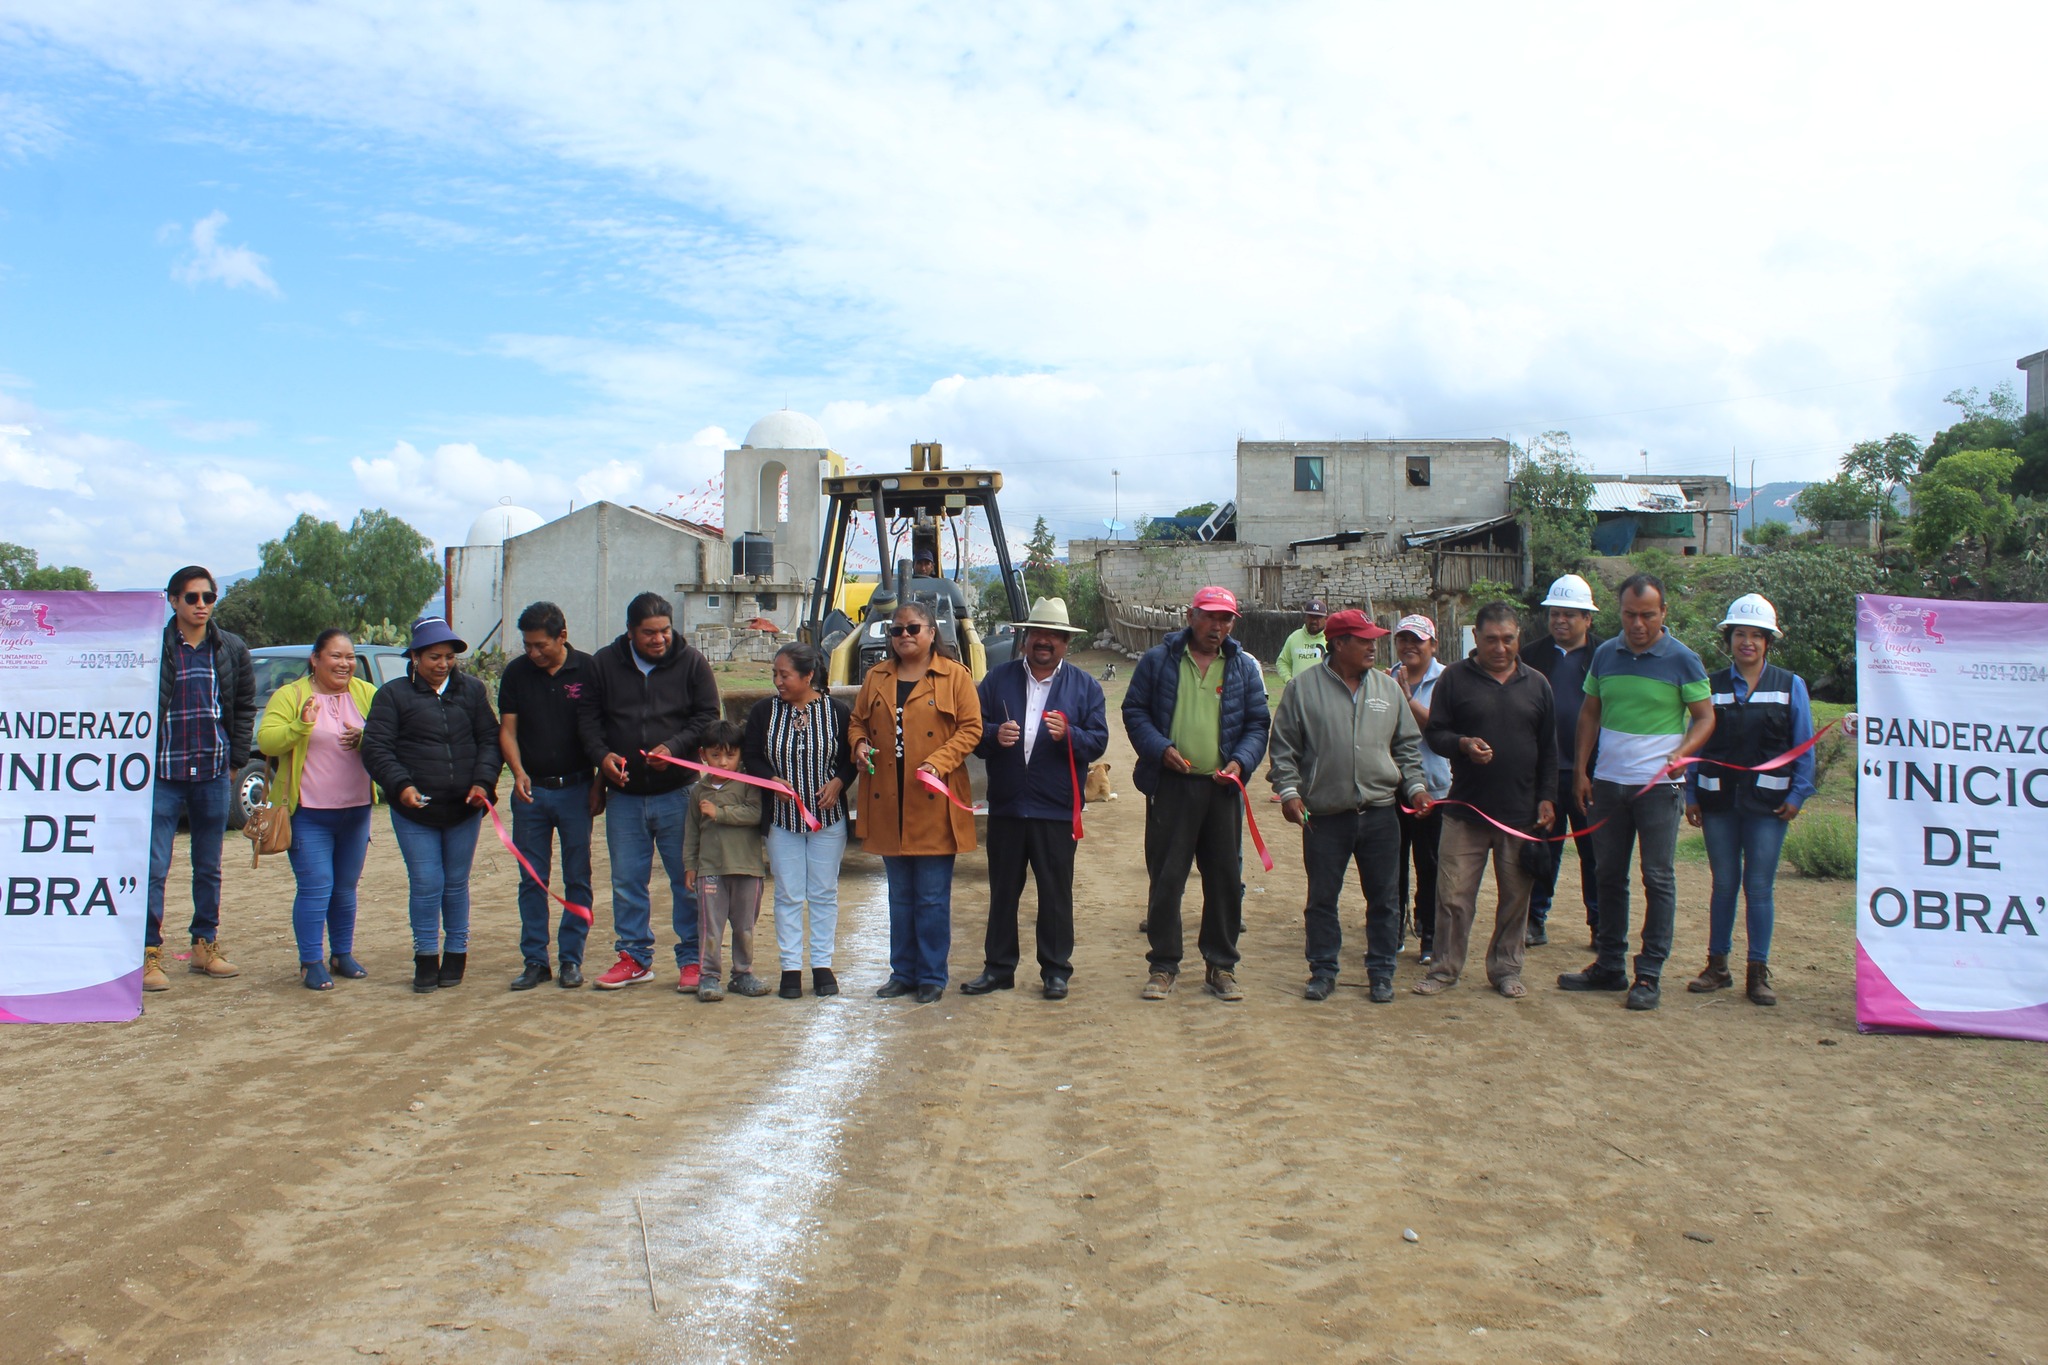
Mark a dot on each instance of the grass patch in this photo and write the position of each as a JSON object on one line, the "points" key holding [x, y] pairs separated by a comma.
{"points": [[1822, 845]]}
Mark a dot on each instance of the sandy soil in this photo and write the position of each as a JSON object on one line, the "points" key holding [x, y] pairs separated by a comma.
{"points": [[253, 1172]]}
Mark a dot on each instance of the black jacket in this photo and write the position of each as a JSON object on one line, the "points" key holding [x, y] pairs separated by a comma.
{"points": [[233, 675], [442, 743], [624, 712]]}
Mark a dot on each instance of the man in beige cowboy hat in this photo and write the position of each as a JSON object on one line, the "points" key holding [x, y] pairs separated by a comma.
{"points": [[1042, 725]]}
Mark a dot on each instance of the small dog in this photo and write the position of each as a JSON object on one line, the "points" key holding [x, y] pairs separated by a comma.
{"points": [[1097, 786], [1108, 672]]}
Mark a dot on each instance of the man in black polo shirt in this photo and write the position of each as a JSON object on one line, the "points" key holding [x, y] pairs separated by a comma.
{"points": [[1492, 716], [554, 789]]}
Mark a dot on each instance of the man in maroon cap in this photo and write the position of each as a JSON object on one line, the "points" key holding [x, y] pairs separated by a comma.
{"points": [[1347, 752], [1196, 714]]}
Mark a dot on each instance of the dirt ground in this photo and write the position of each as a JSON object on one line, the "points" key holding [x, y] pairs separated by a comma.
{"points": [[253, 1172]]}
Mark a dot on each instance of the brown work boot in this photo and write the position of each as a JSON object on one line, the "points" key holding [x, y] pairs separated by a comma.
{"points": [[153, 978], [1714, 978], [1157, 987], [207, 959], [1223, 985], [1759, 991]]}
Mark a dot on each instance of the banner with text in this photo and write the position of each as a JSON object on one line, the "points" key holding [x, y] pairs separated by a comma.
{"points": [[78, 688], [1952, 815]]}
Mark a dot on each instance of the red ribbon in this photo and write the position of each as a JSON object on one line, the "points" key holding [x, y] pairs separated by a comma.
{"points": [[1258, 840], [581, 912], [764, 783], [939, 785], [1073, 773], [1789, 756]]}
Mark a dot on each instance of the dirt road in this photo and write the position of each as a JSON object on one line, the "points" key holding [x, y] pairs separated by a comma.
{"points": [[253, 1172]]}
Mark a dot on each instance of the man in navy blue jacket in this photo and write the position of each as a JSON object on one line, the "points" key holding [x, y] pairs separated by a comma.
{"points": [[1196, 714], [1053, 725]]}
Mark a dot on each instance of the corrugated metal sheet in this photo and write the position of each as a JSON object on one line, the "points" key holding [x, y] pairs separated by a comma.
{"points": [[1637, 497]]}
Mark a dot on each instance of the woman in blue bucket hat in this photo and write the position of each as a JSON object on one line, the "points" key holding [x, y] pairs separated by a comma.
{"points": [[431, 742]]}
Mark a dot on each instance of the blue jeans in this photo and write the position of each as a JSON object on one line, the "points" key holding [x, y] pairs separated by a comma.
{"points": [[205, 807], [327, 853], [920, 917], [806, 869], [563, 810], [635, 827], [1742, 849], [437, 866]]}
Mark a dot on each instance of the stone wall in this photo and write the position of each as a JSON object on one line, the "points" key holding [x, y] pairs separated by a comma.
{"points": [[1169, 572], [1346, 578]]}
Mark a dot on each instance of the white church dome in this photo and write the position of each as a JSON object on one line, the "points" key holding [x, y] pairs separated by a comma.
{"points": [[785, 430], [501, 523]]}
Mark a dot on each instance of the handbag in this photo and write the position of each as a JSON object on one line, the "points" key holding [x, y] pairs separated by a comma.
{"points": [[269, 826]]}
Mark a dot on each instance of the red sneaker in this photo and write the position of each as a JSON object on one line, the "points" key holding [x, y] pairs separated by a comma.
{"points": [[693, 977], [624, 972]]}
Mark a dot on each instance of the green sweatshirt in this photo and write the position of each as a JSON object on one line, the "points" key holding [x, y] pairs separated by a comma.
{"points": [[730, 845]]}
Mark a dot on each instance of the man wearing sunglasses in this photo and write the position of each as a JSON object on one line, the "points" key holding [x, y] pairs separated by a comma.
{"points": [[205, 718]]}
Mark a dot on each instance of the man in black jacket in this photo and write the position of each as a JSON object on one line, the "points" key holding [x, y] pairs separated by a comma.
{"points": [[205, 718], [1563, 656], [650, 697]]}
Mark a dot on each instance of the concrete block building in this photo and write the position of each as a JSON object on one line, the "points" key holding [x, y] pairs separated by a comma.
{"points": [[1293, 492]]}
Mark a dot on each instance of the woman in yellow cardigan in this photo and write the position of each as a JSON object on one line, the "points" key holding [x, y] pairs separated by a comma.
{"points": [[313, 727], [917, 710]]}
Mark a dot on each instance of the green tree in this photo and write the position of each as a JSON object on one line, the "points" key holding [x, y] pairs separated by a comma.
{"points": [[392, 569], [1885, 467], [1175, 527], [1962, 501], [1814, 588], [1768, 533], [19, 568], [1989, 422], [1550, 493], [317, 575], [240, 611], [1044, 575], [1842, 498]]}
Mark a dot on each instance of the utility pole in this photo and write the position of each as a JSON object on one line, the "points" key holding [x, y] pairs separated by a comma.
{"points": [[1115, 499]]}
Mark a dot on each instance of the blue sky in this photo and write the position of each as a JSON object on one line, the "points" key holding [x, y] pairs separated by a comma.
{"points": [[259, 259]]}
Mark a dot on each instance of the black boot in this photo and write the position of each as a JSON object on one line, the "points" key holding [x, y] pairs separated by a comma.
{"points": [[451, 968], [426, 972], [792, 986]]}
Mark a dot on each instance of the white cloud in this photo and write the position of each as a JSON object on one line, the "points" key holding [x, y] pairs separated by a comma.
{"points": [[128, 513], [214, 262], [1140, 230], [442, 492]]}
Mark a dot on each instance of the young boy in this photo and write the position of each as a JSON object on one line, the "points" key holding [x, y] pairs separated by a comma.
{"points": [[723, 863]]}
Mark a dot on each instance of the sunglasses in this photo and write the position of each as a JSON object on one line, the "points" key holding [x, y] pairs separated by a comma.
{"points": [[914, 628], [193, 599]]}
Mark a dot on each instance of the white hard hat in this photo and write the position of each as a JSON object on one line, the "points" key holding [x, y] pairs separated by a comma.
{"points": [[1752, 609], [1570, 591]]}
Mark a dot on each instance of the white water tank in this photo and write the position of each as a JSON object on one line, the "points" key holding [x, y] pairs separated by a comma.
{"points": [[476, 573]]}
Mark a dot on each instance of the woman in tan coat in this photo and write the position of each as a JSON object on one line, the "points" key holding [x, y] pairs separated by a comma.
{"points": [[917, 710]]}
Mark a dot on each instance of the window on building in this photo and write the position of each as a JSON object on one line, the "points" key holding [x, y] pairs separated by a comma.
{"points": [[1308, 473], [711, 599], [767, 601], [1418, 471]]}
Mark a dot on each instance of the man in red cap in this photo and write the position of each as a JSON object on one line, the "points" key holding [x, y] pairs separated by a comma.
{"points": [[1347, 752], [1196, 714]]}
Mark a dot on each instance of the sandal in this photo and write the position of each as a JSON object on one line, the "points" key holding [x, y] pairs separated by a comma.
{"points": [[345, 964], [1511, 987], [313, 976], [1432, 985]]}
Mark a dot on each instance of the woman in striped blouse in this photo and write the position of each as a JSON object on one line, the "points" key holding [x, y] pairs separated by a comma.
{"points": [[798, 737]]}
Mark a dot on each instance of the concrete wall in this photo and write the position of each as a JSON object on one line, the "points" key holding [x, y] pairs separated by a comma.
{"points": [[1366, 488], [1168, 573], [751, 504], [2035, 367], [592, 562]]}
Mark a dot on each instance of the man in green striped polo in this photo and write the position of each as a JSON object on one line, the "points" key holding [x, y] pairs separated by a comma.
{"points": [[1646, 707]]}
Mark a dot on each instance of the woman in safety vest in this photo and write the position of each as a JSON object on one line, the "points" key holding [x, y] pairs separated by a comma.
{"points": [[1760, 711]]}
